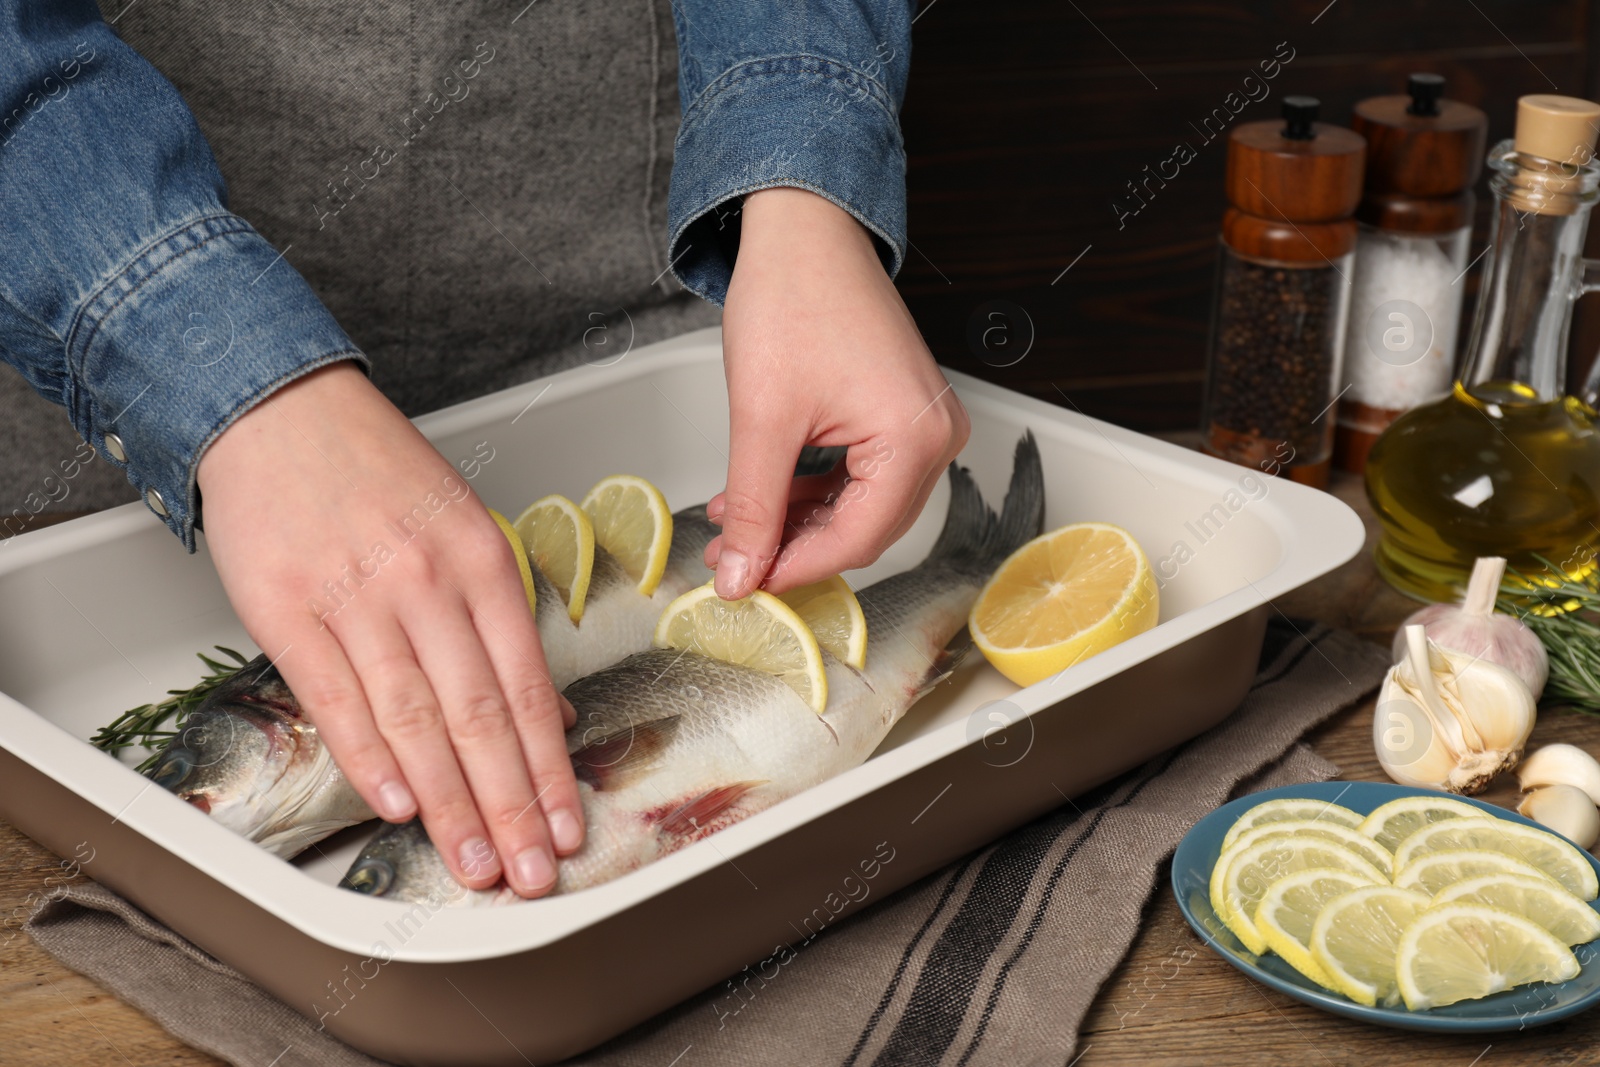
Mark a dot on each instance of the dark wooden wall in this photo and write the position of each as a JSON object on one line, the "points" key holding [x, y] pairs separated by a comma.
{"points": [[1024, 120]]}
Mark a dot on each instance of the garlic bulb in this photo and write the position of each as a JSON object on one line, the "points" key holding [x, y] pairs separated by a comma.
{"points": [[1474, 627], [1567, 810], [1561, 765], [1449, 720]]}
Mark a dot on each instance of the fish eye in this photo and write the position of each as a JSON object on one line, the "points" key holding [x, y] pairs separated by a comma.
{"points": [[173, 769], [371, 876]]}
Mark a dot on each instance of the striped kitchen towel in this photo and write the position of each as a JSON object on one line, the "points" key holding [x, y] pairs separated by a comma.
{"points": [[992, 962]]}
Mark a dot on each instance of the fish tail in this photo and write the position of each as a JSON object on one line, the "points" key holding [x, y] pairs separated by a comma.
{"points": [[975, 539]]}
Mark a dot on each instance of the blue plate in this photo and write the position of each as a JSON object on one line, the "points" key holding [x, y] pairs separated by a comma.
{"points": [[1514, 1009]]}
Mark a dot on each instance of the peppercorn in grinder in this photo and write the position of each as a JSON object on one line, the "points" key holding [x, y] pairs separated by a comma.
{"points": [[1282, 290]]}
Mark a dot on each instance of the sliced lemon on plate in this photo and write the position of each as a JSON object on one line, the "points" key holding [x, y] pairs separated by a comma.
{"points": [[1062, 598], [1539, 899], [834, 614], [1456, 952], [560, 541], [520, 551], [1250, 872], [759, 631], [1391, 823], [1553, 855], [1438, 871], [1290, 908], [1288, 809], [1355, 937], [1353, 840], [633, 523]]}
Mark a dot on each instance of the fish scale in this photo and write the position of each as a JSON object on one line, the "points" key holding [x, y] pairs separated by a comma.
{"points": [[670, 745]]}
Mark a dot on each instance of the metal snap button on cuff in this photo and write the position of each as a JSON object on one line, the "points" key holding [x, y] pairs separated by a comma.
{"points": [[153, 498], [114, 449]]}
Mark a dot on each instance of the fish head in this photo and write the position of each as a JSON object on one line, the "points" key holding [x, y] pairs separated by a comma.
{"points": [[234, 747], [400, 863]]}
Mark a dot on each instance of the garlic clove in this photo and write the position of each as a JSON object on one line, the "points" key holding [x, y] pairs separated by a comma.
{"points": [[1567, 810], [1561, 764], [1450, 721], [1474, 627]]}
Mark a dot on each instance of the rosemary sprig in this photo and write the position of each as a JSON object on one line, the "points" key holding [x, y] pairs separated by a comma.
{"points": [[1564, 613], [144, 725]]}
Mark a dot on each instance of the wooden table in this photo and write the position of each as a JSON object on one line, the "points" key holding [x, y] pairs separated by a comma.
{"points": [[1171, 1000]]}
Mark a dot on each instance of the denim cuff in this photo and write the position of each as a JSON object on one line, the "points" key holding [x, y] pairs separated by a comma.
{"points": [[799, 121], [200, 326]]}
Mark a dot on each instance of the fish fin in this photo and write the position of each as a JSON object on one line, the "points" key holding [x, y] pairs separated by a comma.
{"points": [[612, 761], [972, 537], [691, 816], [950, 657]]}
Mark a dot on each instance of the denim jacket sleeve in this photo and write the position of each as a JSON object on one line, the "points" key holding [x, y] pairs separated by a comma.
{"points": [[786, 93], [129, 294]]}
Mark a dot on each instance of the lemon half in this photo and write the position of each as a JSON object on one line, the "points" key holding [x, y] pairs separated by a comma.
{"points": [[1290, 808], [834, 614], [560, 541], [1456, 952], [759, 631], [1062, 598], [633, 523], [520, 551], [1538, 848]]}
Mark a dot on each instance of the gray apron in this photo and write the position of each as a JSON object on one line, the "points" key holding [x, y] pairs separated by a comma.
{"points": [[476, 190]]}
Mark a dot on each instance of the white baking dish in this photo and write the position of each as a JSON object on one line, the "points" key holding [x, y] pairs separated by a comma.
{"points": [[107, 612]]}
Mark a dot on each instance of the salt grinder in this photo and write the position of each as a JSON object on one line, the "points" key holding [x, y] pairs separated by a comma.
{"points": [[1424, 154]]}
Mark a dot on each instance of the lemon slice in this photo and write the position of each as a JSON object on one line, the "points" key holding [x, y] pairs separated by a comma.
{"points": [[1061, 598], [1353, 840], [1539, 899], [1438, 871], [560, 541], [1549, 853], [1251, 871], [1356, 936], [1456, 952], [521, 553], [1391, 823], [633, 523], [832, 611], [759, 631], [1289, 809], [1290, 908]]}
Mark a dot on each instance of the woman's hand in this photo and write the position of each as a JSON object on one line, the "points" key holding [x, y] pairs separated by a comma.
{"points": [[819, 349], [361, 562]]}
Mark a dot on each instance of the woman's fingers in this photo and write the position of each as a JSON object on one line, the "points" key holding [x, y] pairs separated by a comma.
{"points": [[539, 713], [477, 715], [318, 672], [409, 715]]}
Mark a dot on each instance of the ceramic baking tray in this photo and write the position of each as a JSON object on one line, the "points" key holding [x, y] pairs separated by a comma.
{"points": [[107, 612]]}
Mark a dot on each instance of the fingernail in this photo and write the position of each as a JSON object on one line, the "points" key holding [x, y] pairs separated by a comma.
{"points": [[395, 800], [477, 858], [732, 570], [565, 831], [535, 869]]}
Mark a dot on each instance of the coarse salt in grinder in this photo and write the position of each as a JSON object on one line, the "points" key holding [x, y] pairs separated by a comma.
{"points": [[1424, 154], [1282, 292]]}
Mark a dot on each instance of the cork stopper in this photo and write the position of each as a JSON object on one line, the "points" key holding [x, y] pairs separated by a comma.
{"points": [[1561, 129], [1295, 169], [1421, 144]]}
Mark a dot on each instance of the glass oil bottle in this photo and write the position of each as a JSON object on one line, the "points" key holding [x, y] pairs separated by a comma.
{"points": [[1508, 464]]}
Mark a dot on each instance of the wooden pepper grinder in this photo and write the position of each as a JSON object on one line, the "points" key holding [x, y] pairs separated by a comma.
{"points": [[1277, 328], [1424, 154]]}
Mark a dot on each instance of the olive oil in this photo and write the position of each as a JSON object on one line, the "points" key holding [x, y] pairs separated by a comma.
{"points": [[1493, 471], [1507, 464]]}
